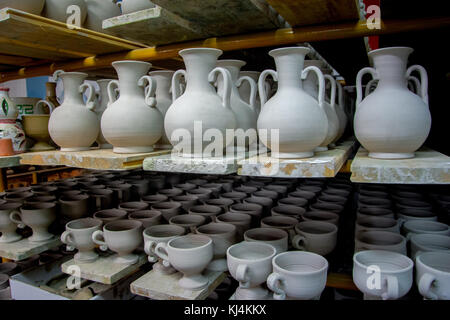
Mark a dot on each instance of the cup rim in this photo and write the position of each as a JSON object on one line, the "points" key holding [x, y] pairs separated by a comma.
{"points": [[300, 253], [252, 244], [199, 236], [163, 227], [405, 258], [98, 224], [419, 260], [128, 224]]}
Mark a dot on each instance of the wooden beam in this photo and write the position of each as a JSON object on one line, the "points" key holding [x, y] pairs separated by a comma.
{"points": [[278, 37]]}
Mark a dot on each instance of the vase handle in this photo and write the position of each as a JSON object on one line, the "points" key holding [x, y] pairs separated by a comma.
{"points": [[333, 89], [423, 81], [176, 86], [340, 92], [321, 81], [369, 86], [253, 88], [150, 98], [262, 84], [112, 95], [56, 75], [226, 84], [90, 103], [359, 77], [414, 84]]}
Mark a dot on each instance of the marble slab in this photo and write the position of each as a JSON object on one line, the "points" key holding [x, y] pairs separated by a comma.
{"points": [[23, 249], [9, 161]]}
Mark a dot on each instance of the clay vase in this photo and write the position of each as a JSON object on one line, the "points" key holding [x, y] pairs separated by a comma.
{"points": [[78, 235], [50, 94], [7, 226], [250, 264], [223, 236], [75, 206], [102, 104], [395, 274], [190, 255], [130, 6], [244, 112], [298, 276], [122, 237], [245, 89], [30, 6], [163, 80], [315, 236], [403, 119], [157, 234], [99, 10], [73, 125], [57, 9], [433, 275], [36, 127], [8, 126], [200, 105], [132, 123], [300, 118], [38, 217]]}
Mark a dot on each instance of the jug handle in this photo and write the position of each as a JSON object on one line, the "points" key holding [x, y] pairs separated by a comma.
{"points": [[423, 81], [368, 86], [226, 84], [112, 95], [261, 84], [150, 99], [340, 91], [56, 75], [176, 85], [50, 105], [252, 83], [90, 103], [321, 81], [359, 77], [414, 81], [333, 89]]}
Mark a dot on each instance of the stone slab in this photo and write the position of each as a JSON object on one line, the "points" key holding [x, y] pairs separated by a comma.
{"points": [[428, 167], [9, 161], [23, 249], [158, 286]]}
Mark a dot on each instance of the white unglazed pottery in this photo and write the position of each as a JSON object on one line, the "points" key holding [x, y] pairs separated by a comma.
{"points": [[99, 10], [377, 223], [340, 111], [73, 125], [57, 10], [382, 275], [163, 80], [38, 217], [428, 242], [190, 255], [245, 89], [102, 104], [403, 119], [277, 238], [412, 227], [380, 240], [315, 236], [200, 106], [7, 226], [122, 237], [300, 118], [244, 112], [298, 275], [130, 6], [30, 6], [132, 123], [9, 128], [250, 263], [433, 275], [78, 235]]}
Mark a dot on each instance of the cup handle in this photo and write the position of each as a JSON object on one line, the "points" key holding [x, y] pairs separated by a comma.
{"points": [[67, 238], [15, 217], [242, 276], [274, 282], [161, 251], [150, 99], [149, 249], [262, 84], [425, 283], [253, 88], [298, 242], [95, 237], [392, 291]]}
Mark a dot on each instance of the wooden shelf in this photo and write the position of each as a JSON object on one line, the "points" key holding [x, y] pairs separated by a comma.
{"points": [[99, 159], [323, 164], [23, 249], [428, 167]]}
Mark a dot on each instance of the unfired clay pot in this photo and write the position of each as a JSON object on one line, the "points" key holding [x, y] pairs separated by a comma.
{"points": [[102, 104], [57, 9], [30, 6], [275, 237], [403, 119], [7, 226], [78, 235], [315, 236], [433, 276], [38, 217], [132, 123]]}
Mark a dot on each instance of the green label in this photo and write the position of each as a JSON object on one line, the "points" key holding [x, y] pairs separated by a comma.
{"points": [[25, 108]]}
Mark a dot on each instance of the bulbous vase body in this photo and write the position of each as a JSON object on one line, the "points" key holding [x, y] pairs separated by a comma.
{"points": [[132, 124], [299, 118], [200, 106], [99, 10], [102, 104], [57, 9], [9, 128], [73, 125], [392, 122]]}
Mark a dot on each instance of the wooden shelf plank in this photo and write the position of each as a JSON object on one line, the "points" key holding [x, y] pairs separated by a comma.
{"points": [[10, 161], [23, 249], [100, 159], [38, 37], [309, 12], [428, 167], [323, 164]]}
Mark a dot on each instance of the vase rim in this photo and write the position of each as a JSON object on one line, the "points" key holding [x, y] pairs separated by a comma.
{"points": [[131, 62], [231, 63], [190, 50], [387, 49], [156, 72], [288, 50]]}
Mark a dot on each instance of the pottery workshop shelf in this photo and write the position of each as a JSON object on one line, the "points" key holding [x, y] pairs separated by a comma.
{"points": [[158, 286], [104, 159], [323, 164], [9, 161], [24, 248], [428, 167]]}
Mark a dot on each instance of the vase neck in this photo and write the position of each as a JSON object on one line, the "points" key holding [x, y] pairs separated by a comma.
{"points": [[391, 68], [129, 73], [163, 83], [71, 84], [310, 85], [198, 67], [289, 70], [50, 89], [234, 72]]}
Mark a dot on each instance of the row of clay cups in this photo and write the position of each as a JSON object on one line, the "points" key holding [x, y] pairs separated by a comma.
{"points": [[395, 274], [401, 214]]}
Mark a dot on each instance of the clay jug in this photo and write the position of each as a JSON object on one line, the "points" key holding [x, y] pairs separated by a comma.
{"points": [[245, 88], [50, 94], [392, 122], [300, 118], [102, 104], [73, 125], [99, 10], [57, 10], [163, 99], [340, 112], [9, 128], [30, 6], [244, 112], [132, 123], [200, 105], [129, 6]]}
